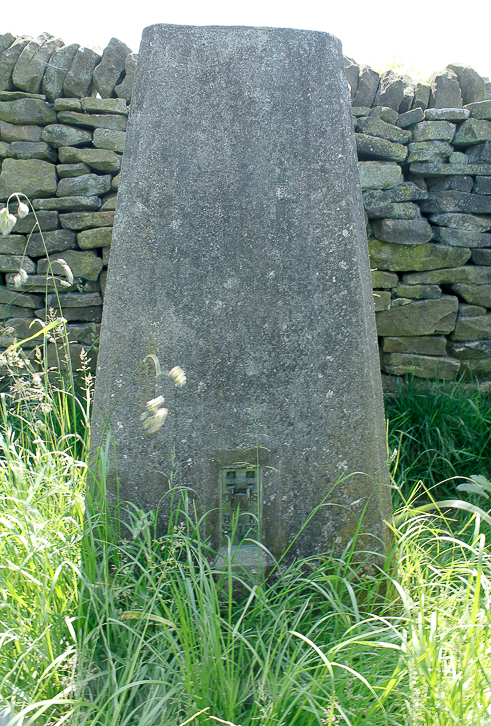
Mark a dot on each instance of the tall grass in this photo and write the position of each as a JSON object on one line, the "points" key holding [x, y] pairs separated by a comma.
{"points": [[144, 631]]}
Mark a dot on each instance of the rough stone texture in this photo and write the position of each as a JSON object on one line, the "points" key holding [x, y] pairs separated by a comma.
{"points": [[418, 292], [445, 90], [72, 170], [470, 350], [104, 105], [376, 127], [425, 345], [419, 317], [47, 221], [277, 215], [87, 220], [13, 132], [428, 151], [422, 96], [93, 120], [404, 232], [84, 264], [421, 366], [58, 240], [451, 201], [62, 135], [447, 114], [378, 174], [481, 257], [480, 109], [410, 117], [68, 204], [371, 147], [381, 299], [434, 131], [85, 185], [99, 159], [439, 169], [78, 80], [482, 185], [31, 150], [381, 279], [21, 330], [56, 70], [367, 87], [109, 71], [390, 91], [8, 59], [461, 237], [109, 202], [124, 89], [459, 183], [352, 71], [477, 154], [473, 369], [478, 328], [470, 311], [34, 178], [6, 40], [67, 104], [27, 111], [474, 294], [405, 192], [471, 275], [385, 114], [401, 258], [12, 263], [109, 139], [12, 244], [23, 300], [470, 222], [74, 300], [29, 69], [471, 84], [473, 131], [397, 210]]}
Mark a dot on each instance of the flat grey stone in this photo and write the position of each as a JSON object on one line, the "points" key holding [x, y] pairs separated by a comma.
{"points": [[458, 183], [472, 369], [458, 157], [232, 226], [472, 131], [480, 109], [94, 238], [470, 222], [461, 237], [29, 70], [62, 135], [32, 150], [376, 127], [87, 220], [420, 317], [85, 264], [421, 366], [22, 300], [445, 90], [470, 311], [13, 132], [27, 111], [4, 150], [22, 329], [478, 328], [482, 185], [99, 159], [358, 111], [57, 240], [428, 151], [397, 210], [479, 154], [384, 113], [124, 89], [13, 311], [67, 104], [68, 204], [424, 344], [78, 80], [72, 170], [472, 86], [6, 40], [13, 244], [447, 114], [75, 300], [367, 87], [468, 274], [474, 294], [381, 279], [94, 120], [422, 93], [88, 335], [370, 147], [410, 117], [452, 201], [407, 97], [401, 258], [56, 69], [37, 284], [405, 192], [404, 232], [32, 177], [87, 185], [437, 169], [434, 131], [418, 292], [470, 350], [109, 71], [482, 256], [352, 71], [47, 221], [105, 258], [104, 105], [8, 59], [109, 202], [390, 91], [378, 174], [12, 263], [77, 314], [115, 182], [381, 299], [109, 139]]}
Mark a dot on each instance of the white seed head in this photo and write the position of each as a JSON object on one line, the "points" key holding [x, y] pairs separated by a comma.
{"points": [[20, 278], [66, 269], [154, 404], [22, 210], [7, 222], [178, 376]]}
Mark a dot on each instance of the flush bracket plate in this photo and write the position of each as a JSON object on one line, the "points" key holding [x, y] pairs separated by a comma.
{"points": [[240, 496]]}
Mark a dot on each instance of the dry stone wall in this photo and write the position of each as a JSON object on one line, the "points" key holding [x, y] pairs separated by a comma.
{"points": [[425, 167]]}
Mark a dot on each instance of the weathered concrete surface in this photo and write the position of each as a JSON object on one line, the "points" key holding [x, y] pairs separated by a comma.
{"points": [[239, 253]]}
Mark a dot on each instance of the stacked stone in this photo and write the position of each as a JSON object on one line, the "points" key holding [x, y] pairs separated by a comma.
{"points": [[63, 149], [425, 167]]}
